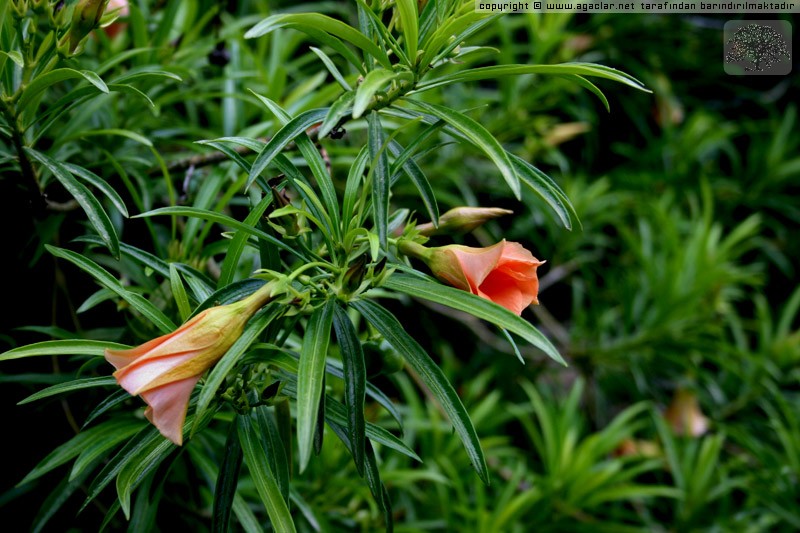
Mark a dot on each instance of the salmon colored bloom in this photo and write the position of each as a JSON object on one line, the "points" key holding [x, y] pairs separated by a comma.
{"points": [[164, 371], [116, 27], [504, 273], [685, 416]]}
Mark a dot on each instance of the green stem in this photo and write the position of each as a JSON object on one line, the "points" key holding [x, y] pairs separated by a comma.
{"points": [[25, 165], [260, 298], [413, 249], [305, 267]]}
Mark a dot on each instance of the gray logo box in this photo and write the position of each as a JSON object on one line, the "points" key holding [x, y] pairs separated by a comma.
{"points": [[758, 47]]}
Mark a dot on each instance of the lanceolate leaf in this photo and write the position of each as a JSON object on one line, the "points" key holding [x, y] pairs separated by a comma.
{"points": [[100, 184], [70, 386], [225, 490], [147, 309], [315, 163], [546, 188], [316, 22], [298, 125], [179, 293], [41, 83], [94, 211], [374, 81], [580, 69], [355, 382], [380, 177], [237, 244], [420, 181], [263, 477], [73, 447], [332, 69], [407, 9], [341, 107], [433, 377], [479, 136], [310, 374], [221, 219], [62, 347], [474, 305], [276, 452]]}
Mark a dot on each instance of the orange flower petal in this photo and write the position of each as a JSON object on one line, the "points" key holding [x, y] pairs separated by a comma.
{"points": [[140, 376], [167, 407], [477, 263]]}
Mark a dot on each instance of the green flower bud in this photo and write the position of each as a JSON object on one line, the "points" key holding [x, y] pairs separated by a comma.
{"points": [[85, 18], [462, 220]]}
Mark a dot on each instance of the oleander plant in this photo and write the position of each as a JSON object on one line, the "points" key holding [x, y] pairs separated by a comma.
{"points": [[392, 265]]}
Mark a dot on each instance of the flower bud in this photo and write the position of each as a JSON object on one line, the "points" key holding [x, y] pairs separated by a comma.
{"points": [[85, 18], [504, 273], [165, 370], [462, 220]]}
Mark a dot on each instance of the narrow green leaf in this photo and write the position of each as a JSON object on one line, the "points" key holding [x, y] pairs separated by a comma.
{"points": [[336, 412], [43, 82], [112, 400], [73, 447], [221, 370], [433, 377], [225, 490], [101, 184], [62, 347], [294, 128], [547, 189], [316, 22], [474, 305], [420, 181], [78, 384], [179, 293], [355, 382], [128, 134], [95, 80], [351, 189], [237, 244], [151, 312], [374, 81], [309, 377], [329, 64], [479, 136], [370, 24], [225, 220], [407, 10], [591, 87], [497, 71], [319, 426], [14, 56], [338, 109], [136, 468], [130, 89], [380, 177], [273, 445], [263, 477], [243, 513], [101, 445], [94, 211], [318, 168]]}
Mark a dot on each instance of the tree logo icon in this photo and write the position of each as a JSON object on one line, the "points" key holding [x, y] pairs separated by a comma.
{"points": [[754, 47]]}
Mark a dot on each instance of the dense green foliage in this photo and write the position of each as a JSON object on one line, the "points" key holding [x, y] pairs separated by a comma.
{"points": [[149, 175]]}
